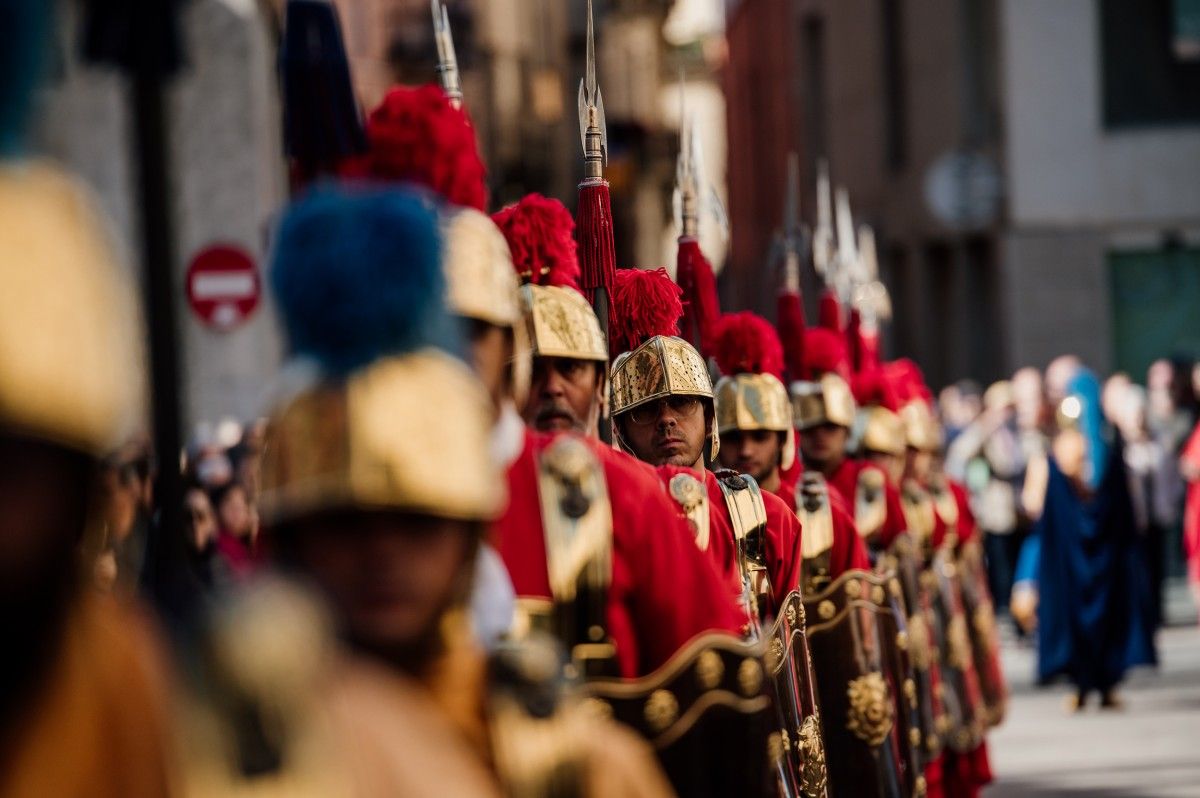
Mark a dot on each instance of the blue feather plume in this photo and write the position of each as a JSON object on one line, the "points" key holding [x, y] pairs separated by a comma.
{"points": [[356, 273]]}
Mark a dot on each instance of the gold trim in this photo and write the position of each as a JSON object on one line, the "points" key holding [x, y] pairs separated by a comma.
{"points": [[661, 710], [692, 497], [710, 669], [750, 677], [680, 661]]}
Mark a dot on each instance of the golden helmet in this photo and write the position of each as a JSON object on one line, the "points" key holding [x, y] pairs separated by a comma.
{"points": [[71, 366], [665, 365], [825, 401], [881, 431], [406, 433], [559, 322], [921, 430], [480, 281], [756, 402]]}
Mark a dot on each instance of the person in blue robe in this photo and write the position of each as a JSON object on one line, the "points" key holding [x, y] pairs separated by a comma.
{"points": [[1085, 559]]}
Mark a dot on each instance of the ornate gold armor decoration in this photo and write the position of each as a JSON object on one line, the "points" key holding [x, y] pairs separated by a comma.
{"points": [[372, 441], [756, 402], [560, 323], [826, 401], [862, 671], [816, 521], [71, 363], [870, 502], [881, 431], [577, 521], [800, 750], [689, 493], [662, 366], [708, 697]]}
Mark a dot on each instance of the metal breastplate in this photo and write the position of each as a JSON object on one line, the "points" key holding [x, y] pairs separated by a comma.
{"points": [[577, 521], [816, 521], [748, 516], [870, 502]]}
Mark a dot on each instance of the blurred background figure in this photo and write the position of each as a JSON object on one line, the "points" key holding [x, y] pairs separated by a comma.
{"points": [[201, 523], [237, 553], [1083, 566], [127, 487], [988, 458], [958, 405]]}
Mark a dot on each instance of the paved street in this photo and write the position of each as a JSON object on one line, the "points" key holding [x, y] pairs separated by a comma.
{"points": [[1150, 748]]}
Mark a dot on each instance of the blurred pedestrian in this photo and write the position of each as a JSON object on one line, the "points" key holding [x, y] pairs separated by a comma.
{"points": [[237, 532], [1189, 465], [987, 457], [201, 524], [1083, 565]]}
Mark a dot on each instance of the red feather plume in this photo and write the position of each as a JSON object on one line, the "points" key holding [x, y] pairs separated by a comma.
{"points": [[416, 135], [701, 305], [746, 343], [907, 380], [825, 350], [790, 314], [650, 305], [541, 236], [871, 386]]}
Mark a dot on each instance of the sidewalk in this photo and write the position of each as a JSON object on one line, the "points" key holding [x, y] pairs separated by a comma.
{"points": [[1151, 748]]}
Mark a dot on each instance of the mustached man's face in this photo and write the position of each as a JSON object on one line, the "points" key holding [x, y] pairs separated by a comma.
{"points": [[670, 431], [754, 452], [565, 394]]}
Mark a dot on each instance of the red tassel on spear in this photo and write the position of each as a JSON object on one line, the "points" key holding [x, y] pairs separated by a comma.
{"points": [[597, 252]]}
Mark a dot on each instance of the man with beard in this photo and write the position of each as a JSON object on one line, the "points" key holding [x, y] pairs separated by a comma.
{"points": [[665, 415], [82, 701]]}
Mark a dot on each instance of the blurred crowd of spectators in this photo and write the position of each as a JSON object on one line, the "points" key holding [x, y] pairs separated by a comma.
{"points": [[997, 440]]}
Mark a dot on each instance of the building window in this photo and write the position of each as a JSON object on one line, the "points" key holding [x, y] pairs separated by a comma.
{"points": [[1154, 308], [1145, 80], [895, 98]]}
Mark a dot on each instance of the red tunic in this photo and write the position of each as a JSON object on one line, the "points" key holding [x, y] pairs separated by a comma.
{"points": [[849, 551], [782, 543], [845, 480], [664, 591]]}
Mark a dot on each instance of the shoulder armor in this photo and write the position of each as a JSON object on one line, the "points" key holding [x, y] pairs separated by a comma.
{"points": [[870, 502], [947, 508], [689, 493], [748, 515], [577, 522], [918, 510]]}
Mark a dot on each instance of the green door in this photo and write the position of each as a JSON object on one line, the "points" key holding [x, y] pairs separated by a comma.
{"points": [[1156, 307]]}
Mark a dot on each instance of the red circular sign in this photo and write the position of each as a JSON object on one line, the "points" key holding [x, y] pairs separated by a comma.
{"points": [[223, 288]]}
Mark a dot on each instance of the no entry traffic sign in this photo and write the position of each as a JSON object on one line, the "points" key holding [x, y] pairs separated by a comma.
{"points": [[223, 288]]}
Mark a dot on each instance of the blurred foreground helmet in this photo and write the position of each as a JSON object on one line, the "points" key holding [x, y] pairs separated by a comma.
{"points": [[71, 367], [390, 420]]}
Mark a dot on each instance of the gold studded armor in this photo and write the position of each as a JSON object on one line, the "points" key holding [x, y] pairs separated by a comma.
{"points": [[882, 431], [826, 401], [756, 402], [662, 366], [560, 323], [378, 439]]}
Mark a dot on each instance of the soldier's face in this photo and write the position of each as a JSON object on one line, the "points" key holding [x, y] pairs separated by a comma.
{"points": [[389, 578], [491, 354], [892, 465], [753, 452], [669, 431], [918, 465], [824, 446], [565, 394]]}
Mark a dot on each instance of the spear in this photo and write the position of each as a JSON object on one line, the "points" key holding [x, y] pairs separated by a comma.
{"points": [[790, 246], [597, 252], [693, 272], [825, 253], [447, 66]]}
